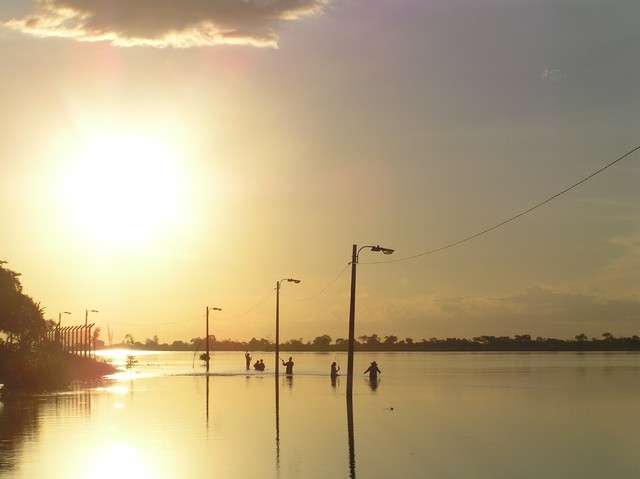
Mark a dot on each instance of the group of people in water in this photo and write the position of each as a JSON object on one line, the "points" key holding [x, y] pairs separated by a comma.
{"points": [[259, 365]]}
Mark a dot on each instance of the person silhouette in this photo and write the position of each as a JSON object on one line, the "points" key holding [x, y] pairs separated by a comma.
{"points": [[373, 371], [334, 369], [259, 365], [247, 359], [289, 366]]}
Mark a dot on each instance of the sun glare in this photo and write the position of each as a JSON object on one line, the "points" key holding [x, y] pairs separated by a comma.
{"points": [[125, 461], [124, 190]]}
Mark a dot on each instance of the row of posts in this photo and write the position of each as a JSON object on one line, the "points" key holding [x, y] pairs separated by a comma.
{"points": [[74, 339]]}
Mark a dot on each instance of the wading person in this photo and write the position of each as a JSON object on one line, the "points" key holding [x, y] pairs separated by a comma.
{"points": [[289, 366], [259, 365], [373, 371], [247, 360], [334, 369]]}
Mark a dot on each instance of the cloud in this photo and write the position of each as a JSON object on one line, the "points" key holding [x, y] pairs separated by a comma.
{"points": [[537, 310], [166, 23], [623, 269], [552, 75]]}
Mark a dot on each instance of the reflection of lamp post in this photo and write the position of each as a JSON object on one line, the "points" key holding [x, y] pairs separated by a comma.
{"points": [[207, 334], [87, 339], [352, 442], [352, 310], [291, 280]]}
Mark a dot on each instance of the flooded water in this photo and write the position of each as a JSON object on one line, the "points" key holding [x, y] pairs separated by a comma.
{"points": [[432, 415]]}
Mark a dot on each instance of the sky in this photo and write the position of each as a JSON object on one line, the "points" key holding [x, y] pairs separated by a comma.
{"points": [[160, 157]]}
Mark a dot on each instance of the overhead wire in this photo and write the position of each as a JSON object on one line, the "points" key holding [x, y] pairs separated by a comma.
{"points": [[254, 306], [512, 218], [192, 318], [323, 289], [156, 324]]}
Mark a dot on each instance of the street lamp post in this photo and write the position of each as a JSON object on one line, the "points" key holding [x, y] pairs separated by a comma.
{"points": [[59, 332], [207, 334], [60, 317], [291, 280], [352, 310], [87, 339]]}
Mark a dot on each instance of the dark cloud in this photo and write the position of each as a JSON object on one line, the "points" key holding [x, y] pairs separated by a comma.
{"points": [[162, 23], [537, 310]]}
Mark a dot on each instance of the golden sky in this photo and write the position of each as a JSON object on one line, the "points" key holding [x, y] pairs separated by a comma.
{"points": [[162, 156]]}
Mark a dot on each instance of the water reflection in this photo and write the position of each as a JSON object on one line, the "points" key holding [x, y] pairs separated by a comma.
{"points": [[21, 417], [437, 409], [207, 403], [277, 426], [352, 446], [373, 384], [18, 419], [289, 381]]}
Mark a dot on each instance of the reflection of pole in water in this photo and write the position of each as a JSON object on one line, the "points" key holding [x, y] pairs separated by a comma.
{"points": [[207, 402], [277, 426], [352, 451]]}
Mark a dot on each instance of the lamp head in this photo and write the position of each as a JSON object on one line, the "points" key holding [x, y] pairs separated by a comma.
{"points": [[384, 250], [292, 280]]}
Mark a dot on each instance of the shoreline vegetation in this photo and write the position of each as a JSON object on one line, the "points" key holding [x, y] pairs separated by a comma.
{"points": [[374, 342], [47, 370], [28, 362]]}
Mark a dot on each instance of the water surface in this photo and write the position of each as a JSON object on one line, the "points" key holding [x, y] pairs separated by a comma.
{"points": [[432, 415]]}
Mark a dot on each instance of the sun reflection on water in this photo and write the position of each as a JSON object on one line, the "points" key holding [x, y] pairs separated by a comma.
{"points": [[117, 389], [123, 461]]}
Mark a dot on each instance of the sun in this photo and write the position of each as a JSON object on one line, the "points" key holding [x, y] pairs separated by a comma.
{"points": [[123, 190]]}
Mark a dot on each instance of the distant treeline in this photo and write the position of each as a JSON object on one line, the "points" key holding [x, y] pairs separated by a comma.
{"points": [[521, 342]]}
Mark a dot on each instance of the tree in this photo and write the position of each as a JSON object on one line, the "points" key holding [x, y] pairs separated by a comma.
{"points": [[322, 342], [258, 344], [20, 317], [97, 344], [581, 337], [295, 344], [390, 339], [342, 344]]}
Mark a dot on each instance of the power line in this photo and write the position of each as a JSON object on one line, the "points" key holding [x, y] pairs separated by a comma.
{"points": [[192, 318], [256, 305], [133, 325], [155, 324], [323, 289], [513, 218]]}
